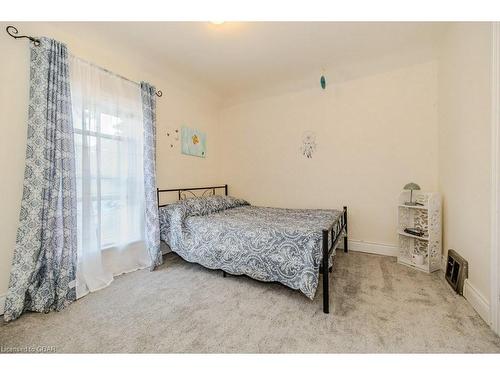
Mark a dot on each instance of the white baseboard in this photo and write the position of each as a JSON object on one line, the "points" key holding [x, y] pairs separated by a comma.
{"points": [[2, 303], [477, 300], [371, 247]]}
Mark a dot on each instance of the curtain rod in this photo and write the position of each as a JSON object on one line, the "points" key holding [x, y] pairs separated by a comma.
{"points": [[12, 31]]}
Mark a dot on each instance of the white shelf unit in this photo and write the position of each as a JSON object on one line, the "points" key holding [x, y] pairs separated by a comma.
{"points": [[426, 217]]}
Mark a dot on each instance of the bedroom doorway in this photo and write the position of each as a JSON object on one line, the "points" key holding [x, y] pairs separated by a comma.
{"points": [[495, 172]]}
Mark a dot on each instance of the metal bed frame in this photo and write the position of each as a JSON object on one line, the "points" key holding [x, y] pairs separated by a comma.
{"points": [[337, 230]]}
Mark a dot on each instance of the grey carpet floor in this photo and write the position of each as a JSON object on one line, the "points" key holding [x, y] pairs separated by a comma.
{"points": [[377, 306]]}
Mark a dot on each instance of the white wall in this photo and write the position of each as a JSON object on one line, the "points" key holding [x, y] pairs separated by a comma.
{"points": [[374, 134], [464, 147], [183, 102]]}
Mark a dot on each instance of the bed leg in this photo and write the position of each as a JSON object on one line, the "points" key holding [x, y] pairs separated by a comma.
{"points": [[223, 273], [346, 245], [331, 267], [326, 291]]}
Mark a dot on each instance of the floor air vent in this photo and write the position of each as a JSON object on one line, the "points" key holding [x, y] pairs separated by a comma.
{"points": [[457, 270]]}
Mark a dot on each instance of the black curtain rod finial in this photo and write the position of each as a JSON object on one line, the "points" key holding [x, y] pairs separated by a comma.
{"points": [[159, 93], [13, 31]]}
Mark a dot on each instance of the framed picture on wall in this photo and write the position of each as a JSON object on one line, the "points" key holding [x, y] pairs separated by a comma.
{"points": [[193, 142]]}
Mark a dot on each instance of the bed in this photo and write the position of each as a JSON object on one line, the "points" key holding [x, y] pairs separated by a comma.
{"points": [[289, 246]]}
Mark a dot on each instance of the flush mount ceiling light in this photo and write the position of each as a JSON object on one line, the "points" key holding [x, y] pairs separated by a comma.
{"points": [[217, 22]]}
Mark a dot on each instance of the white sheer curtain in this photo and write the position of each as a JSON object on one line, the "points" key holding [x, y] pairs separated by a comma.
{"points": [[107, 116]]}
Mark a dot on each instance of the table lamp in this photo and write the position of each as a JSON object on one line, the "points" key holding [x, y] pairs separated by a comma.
{"points": [[411, 186]]}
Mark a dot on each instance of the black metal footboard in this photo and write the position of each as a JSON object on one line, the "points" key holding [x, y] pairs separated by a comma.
{"points": [[337, 230]]}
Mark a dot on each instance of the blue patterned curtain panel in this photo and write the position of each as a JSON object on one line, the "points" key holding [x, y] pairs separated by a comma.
{"points": [[43, 269], [152, 230]]}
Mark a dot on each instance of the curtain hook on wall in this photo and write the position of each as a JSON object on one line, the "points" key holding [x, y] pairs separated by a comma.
{"points": [[13, 31]]}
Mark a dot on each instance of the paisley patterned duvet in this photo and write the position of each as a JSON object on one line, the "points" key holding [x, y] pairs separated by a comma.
{"points": [[267, 244]]}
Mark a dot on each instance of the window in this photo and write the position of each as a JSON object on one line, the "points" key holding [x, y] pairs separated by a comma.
{"points": [[107, 118], [103, 140]]}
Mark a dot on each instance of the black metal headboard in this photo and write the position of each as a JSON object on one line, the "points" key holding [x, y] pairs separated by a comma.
{"points": [[182, 192]]}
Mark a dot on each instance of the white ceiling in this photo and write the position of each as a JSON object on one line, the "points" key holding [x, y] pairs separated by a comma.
{"points": [[248, 56]]}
